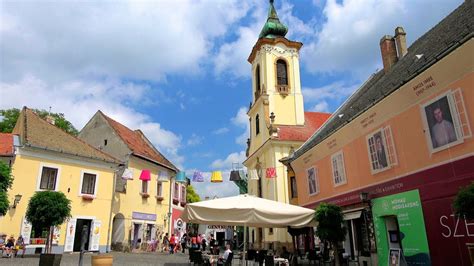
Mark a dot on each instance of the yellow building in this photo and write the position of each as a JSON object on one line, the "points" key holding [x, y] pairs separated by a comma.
{"points": [[48, 158], [278, 123], [141, 204]]}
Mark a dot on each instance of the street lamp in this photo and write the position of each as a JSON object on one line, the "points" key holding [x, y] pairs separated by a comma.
{"points": [[16, 200]]}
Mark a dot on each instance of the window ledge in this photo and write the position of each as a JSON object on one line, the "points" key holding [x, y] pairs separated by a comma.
{"points": [[87, 197], [145, 195], [183, 204], [159, 198]]}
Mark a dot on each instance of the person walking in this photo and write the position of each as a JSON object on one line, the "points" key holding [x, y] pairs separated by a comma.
{"points": [[203, 242], [172, 243], [166, 243], [184, 240]]}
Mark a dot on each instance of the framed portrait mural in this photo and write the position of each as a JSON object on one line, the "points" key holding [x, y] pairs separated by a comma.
{"points": [[378, 151], [312, 181], [442, 125], [394, 257]]}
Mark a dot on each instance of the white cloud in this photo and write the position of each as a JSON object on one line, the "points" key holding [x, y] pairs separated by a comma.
{"points": [[221, 130], [320, 107], [236, 157], [349, 38], [207, 189], [133, 39], [241, 119], [79, 100], [194, 140]]}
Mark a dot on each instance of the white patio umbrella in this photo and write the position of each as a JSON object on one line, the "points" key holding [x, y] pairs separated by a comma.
{"points": [[248, 210]]}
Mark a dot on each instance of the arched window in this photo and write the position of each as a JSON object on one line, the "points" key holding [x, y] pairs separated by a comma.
{"points": [[257, 80], [282, 73], [257, 125]]}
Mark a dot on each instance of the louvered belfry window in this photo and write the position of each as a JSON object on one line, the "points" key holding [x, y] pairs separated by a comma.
{"points": [[282, 74]]}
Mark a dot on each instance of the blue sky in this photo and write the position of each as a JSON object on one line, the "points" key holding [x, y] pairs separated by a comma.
{"points": [[178, 70]]}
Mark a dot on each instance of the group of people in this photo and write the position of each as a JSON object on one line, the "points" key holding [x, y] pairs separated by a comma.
{"points": [[174, 244], [9, 247]]}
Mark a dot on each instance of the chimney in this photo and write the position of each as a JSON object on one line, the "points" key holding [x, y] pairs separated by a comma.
{"points": [[50, 119], [389, 52], [401, 42]]}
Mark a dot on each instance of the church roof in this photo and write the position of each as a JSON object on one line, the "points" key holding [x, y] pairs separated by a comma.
{"points": [[313, 121], [273, 27]]}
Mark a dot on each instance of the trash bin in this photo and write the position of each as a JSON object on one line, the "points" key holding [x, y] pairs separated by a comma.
{"points": [[102, 260]]}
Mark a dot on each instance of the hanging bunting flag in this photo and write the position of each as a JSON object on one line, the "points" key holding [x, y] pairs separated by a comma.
{"points": [[145, 175], [181, 177], [253, 174], [197, 177], [234, 175], [271, 172], [163, 176], [216, 177], [127, 174]]}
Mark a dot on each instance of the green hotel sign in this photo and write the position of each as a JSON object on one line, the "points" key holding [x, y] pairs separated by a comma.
{"points": [[406, 207]]}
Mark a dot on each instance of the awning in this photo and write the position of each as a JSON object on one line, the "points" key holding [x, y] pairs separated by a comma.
{"points": [[352, 215]]}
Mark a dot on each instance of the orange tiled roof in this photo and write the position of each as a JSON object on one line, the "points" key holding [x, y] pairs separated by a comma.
{"points": [[137, 142], [36, 132], [6, 144], [313, 121]]}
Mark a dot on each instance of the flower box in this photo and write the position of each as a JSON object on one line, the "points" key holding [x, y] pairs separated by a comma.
{"points": [[159, 198], [145, 195], [88, 197]]}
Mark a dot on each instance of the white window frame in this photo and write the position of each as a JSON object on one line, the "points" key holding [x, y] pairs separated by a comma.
{"points": [[182, 195], [95, 185], [389, 145], [147, 186], [38, 179], [316, 180], [342, 171], [159, 191], [457, 116]]}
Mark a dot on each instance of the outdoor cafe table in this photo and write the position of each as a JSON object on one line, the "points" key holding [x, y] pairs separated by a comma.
{"points": [[280, 261], [213, 259]]}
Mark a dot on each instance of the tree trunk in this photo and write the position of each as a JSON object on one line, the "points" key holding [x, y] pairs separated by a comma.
{"points": [[49, 240], [336, 254]]}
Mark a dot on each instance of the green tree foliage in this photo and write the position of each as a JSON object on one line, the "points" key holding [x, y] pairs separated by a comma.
{"points": [[464, 202], [191, 195], [47, 209], [330, 225], [10, 117], [6, 181]]}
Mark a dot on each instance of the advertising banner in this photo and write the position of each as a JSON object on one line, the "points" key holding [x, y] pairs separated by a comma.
{"points": [[406, 207]]}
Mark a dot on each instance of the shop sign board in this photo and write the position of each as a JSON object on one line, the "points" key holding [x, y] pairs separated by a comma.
{"points": [[144, 216], [70, 233], [26, 230], [407, 208], [95, 235]]}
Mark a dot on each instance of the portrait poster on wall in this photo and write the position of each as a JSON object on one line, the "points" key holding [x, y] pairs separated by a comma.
{"points": [[394, 257]]}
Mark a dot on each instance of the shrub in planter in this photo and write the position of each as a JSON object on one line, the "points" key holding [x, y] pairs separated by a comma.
{"points": [[47, 209]]}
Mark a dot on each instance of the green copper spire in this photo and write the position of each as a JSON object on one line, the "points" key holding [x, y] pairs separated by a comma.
{"points": [[273, 27]]}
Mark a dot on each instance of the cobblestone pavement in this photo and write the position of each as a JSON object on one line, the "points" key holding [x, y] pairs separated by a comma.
{"points": [[119, 259]]}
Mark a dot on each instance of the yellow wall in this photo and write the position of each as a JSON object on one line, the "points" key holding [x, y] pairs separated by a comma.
{"points": [[403, 112], [26, 170], [132, 201]]}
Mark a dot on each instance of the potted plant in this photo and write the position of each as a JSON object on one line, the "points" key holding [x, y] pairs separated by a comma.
{"points": [[47, 209], [464, 207], [330, 226]]}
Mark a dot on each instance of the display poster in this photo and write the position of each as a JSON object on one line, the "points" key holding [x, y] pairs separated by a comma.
{"points": [[95, 235], [26, 230], [70, 232], [407, 208], [56, 235]]}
